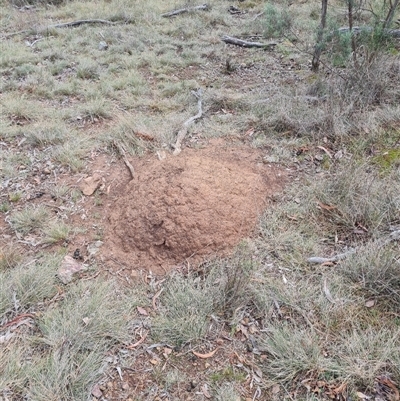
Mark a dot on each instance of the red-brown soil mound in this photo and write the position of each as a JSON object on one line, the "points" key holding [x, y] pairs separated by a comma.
{"points": [[194, 205]]}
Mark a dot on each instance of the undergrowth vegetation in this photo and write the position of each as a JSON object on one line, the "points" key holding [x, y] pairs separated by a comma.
{"points": [[288, 328]]}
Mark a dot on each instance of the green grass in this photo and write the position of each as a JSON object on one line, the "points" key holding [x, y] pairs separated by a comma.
{"points": [[29, 219], [185, 314], [56, 232], [64, 101]]}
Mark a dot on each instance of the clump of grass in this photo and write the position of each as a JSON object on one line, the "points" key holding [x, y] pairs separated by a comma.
{"points": [[277, 21], [4, 207], [66, 358], [10, 256], [388, 159], [375, 269], [56, 232], [29, 284], [46, 134], [95, 108], [76, 195], [291, 115], [59, 191], [91, 315], [71, 153], [19, 109], [130, 80], [278, 238], [65, 374], [124, 134], [371, 84], [363, 354], [231, 280], [227, 392], [10, 166], [186, 307], [227, 375], [88, 69], [29, 219], [13, 373], [357, 197], [292, 353], [14, 196]]}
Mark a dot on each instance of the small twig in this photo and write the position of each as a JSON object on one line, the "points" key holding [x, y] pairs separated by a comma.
{"points": [[278, 309], [183, 131], [35, 41], [17, 319], [124, 158], [328, 293], [258, 15], [184, 10], [138, 342], [244, 43], [153, 301]]}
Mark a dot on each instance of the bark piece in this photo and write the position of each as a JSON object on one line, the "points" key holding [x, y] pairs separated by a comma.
{"points": [[183, 131], [89, 185], [244, 43], [184, 10], [69, 267]]}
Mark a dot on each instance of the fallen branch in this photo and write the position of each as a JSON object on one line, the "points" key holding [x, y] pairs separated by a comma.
{"points": [[340, 256], [80, 22], [183, 131], [395, 33], [258, 15], [244, 43], [184, 10], [63, 25], [394, 236], [121, 151]]}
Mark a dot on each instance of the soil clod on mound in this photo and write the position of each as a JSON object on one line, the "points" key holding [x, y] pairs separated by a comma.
{"points": [[195, 205]]}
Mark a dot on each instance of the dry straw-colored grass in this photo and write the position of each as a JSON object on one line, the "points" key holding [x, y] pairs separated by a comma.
{"points": [[63, 99]]}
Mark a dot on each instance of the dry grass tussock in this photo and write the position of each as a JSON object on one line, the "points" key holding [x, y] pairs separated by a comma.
{"points": [[64, 354], [305, 328]]}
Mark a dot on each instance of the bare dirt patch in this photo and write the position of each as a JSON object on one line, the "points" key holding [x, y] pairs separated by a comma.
{"points": [[185, 208]]}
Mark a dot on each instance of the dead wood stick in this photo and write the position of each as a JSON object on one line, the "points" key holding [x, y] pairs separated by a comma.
{"points": [[63, 25], [183, 131], [340, 256], [121, 151], [394, 236], [258, 15], [184, 10], [244, 43], [395, 33], [80, 22]]}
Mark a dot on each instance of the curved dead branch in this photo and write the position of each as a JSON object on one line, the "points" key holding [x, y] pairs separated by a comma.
{"points": [[183, 131]]}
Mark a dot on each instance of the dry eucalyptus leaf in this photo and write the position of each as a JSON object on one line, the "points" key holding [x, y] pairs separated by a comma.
{"points": [[142, 311], [370, 303], [205, 356], [89, 185]]}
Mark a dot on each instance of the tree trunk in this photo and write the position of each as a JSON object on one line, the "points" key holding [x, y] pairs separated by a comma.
{"points": [[390, 15], [353, 38], [320, 36]]}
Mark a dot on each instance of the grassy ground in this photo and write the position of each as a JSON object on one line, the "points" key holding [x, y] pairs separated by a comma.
{"points": [[283, 328]]}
